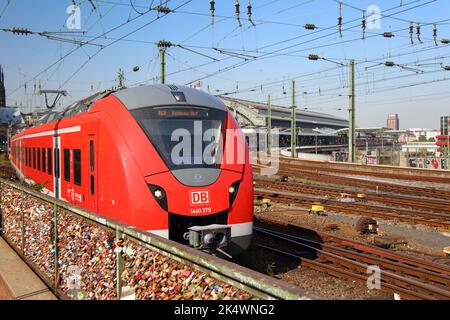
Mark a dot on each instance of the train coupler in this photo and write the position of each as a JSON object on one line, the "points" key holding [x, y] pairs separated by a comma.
{"points": [[215, 237]]}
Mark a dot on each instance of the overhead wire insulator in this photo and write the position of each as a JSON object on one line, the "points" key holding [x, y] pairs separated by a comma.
{"points": [[212, 9], [19, 31], [249, 13], [363, 25], [313, 57], [340, 19], [445, 41], [238, 12], [411, 32], [388, 34], [435, 34], [162, 9], [446, 68], [389, 63], [418, 32], [310, 26], [164, 44]]}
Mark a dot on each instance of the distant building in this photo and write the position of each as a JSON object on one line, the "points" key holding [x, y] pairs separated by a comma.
{"points": [[10, 116], [393, 122], [417, 133], [2, 89], [445, 124]]}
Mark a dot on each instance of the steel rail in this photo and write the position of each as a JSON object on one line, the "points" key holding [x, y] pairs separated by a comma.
{"points": [[348, 208], [346, 274], [303, 190], [316, 175], [414, 288], [374, 171], [426, 265], [435, 204], [438, 279]]}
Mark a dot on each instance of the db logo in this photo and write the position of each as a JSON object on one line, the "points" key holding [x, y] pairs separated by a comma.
{"points": [[199, 197]]}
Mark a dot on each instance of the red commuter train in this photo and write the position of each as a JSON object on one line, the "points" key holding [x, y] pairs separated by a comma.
{"points": [[155, 157]]}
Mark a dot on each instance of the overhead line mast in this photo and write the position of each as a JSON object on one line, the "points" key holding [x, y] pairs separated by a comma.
{"points": [[163, 45], [351, 129]]}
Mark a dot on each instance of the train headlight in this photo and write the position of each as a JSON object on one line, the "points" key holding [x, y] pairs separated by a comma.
{"points": [[233, 191], [160, 195]]}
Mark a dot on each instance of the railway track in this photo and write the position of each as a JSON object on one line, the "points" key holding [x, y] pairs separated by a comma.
{"points": [[374, 171], [359, 209], [428, 204], [411, 278], [317, 175]]}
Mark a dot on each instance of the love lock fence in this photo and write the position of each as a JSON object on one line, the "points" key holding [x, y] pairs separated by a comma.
{"points": [[83, 255]]}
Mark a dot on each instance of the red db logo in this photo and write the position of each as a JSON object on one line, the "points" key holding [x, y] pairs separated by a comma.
{"points": [[199, 197]]}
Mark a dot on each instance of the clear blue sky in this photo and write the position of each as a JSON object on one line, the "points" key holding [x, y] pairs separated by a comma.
{"points": [[419, 99]]}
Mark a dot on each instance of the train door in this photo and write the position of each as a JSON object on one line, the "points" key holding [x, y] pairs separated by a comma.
{"points": [[20, 156], [77, 186], [92, 173], [57, 166]]}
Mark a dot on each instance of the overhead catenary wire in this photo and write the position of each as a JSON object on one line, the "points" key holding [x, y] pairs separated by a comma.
{"points": [[232, 54], [433, 48], [272, 54], [126, 35], [77, 48]]}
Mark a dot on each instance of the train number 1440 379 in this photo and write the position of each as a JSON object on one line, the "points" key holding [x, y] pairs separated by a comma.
{"points": [[201, 210]]}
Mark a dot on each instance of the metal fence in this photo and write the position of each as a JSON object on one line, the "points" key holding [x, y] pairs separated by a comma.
{"points": [[83, 255]]}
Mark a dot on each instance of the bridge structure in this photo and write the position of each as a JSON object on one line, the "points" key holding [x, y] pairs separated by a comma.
{"points": [[252, 114], [79, 254]]}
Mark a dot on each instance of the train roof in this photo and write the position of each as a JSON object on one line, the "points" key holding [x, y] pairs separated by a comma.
{"points": [[140, 97], [160, 95], [74, 108]]}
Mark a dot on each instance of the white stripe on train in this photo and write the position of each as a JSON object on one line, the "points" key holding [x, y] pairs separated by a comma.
{"points": [[49, 133]]}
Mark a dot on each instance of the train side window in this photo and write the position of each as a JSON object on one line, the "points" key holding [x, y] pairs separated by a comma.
{"points": [[91, 155], [92, 185], [56, 162], [67, 165], [44, 162], [26, 156], [77, 167], [34, 158], [49, 160], [39, 159]]}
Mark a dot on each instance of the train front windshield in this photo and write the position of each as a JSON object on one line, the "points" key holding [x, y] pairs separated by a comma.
{"points": [[185, 137]]}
